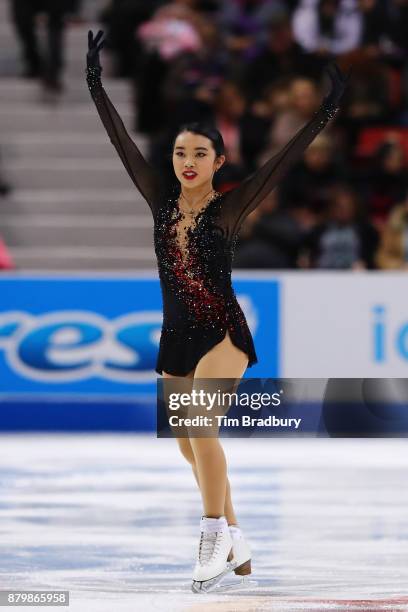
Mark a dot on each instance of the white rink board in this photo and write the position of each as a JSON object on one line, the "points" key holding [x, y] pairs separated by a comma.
{"points": [[331, 326]]}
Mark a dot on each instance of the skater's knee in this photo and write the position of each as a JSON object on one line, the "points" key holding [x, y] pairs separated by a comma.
{"points": [[206, 447], [186, 450], [207, 450]]}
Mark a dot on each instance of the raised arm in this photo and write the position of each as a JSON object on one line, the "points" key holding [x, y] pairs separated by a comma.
{"points": [[242, 200], [143, 175]]}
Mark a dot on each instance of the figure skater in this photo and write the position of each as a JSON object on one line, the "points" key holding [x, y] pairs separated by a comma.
{"points": [[204, 332]]}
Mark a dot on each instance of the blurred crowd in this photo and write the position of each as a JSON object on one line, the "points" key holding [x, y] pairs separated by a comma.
{"points": [[255, 68]]}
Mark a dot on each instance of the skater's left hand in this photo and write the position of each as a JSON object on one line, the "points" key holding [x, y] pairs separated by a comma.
{"points": [[339, 82], [92, 57]]}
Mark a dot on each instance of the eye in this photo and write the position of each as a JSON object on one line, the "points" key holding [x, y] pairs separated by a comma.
{"points": [[180, 153]]}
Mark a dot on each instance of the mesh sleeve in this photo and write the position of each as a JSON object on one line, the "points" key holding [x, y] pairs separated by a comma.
{"points": [[244, 198], [143, 175]]}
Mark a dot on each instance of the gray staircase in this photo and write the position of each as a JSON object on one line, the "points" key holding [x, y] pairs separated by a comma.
{"points": [[73, 205]]}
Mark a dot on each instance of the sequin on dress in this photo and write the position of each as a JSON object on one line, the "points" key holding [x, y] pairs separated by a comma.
{"points": [[195, 257]]}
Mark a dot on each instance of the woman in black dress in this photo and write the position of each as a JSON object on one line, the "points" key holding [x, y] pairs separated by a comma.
{"points": [[204, 332]]}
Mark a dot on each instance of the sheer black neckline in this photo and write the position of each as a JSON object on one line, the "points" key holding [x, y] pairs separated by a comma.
{"points": [[204, 209]]}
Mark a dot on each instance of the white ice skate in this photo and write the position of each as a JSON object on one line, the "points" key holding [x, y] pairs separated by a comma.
{"points": [[214, 555], [241, 552], [242, 556]]}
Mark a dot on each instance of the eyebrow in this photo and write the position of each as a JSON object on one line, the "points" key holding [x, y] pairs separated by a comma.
{"points": [[196, 148]]}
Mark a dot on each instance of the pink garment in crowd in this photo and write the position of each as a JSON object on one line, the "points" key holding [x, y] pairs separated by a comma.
{"points": [[6, 263]]}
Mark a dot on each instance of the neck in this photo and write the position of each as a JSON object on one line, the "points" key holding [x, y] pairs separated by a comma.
{"points": [[195, 195]]}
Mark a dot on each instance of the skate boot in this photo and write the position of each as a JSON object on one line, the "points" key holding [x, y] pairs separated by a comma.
{"points": [[242, 557], [241, 551], [214, 555]]}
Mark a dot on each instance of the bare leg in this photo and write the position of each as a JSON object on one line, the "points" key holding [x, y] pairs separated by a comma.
{"points": [[185, 443], [187, 452], [224, 360], [228, 507]]}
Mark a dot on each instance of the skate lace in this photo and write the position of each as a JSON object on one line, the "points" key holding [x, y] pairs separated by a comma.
{"points": [[209, 546]]}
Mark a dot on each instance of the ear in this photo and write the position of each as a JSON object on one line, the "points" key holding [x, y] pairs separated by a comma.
{"points": [[220, 162]]}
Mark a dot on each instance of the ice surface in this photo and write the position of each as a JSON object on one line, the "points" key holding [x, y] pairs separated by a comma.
{"points": [[114, 519]]}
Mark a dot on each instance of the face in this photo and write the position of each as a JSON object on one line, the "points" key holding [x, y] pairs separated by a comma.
{"points": [[230, 101], [304, 96], [278, 99], [394, 161], [195, 152], [280, 38], [343, 207], [317, 158]]}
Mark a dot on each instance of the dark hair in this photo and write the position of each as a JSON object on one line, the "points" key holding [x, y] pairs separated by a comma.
{"points": [[339, 188], [207, 130]]}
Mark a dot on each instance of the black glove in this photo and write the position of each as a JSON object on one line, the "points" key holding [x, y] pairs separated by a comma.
{"points": [[339, 82], [92, 57]]}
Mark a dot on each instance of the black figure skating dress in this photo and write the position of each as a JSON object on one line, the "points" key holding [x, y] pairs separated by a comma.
{"points": [[194, 257]]}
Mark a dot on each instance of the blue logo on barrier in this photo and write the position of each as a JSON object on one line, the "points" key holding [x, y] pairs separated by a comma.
{"points": [[380, 332], [74, 336], [71, 346]]}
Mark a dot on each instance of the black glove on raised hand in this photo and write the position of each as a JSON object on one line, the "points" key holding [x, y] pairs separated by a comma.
{"points": [[339, 82], [93, 65], [92, 57]]}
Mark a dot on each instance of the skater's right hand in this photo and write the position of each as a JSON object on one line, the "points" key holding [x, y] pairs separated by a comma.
{"points": [[339, 82], [92, 57]]}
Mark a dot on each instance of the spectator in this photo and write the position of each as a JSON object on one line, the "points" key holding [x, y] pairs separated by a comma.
{"points": [[6, 262], [368, 99], [194, 79], [309, 182], [393, 251], [229, 108], [269, 237], [397, 26], [5, 188], [304, 100], [255, 125], [374, 16], [345, 241], [48, 66], [385, 181], [122, 18], [328, 27], [280, 57], [244, 25], [172, 31], [227, 114]]}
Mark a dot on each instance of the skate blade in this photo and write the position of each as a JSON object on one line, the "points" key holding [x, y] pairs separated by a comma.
{"points": [[229, 584], [207, 586]]}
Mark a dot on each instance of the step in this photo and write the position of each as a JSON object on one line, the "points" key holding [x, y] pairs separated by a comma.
{"points": [[58, 221], [28, 145], [74, 234], [81, 173], [74, 61], [89, 258], [17, 90], [23, 117], [78, 264], [114, 202], [68, 212]]}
